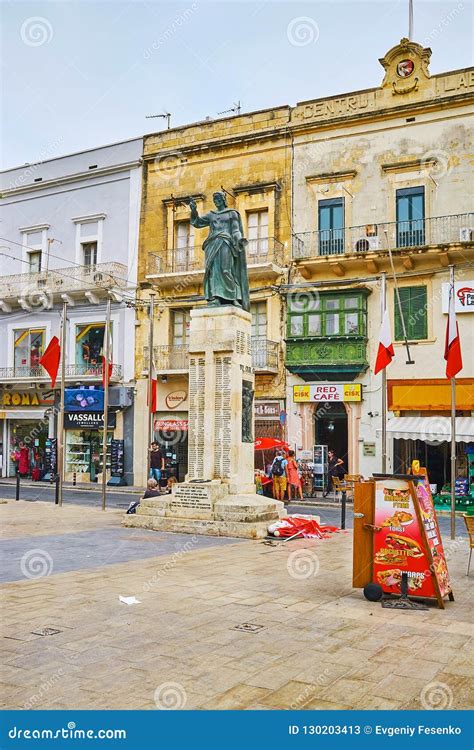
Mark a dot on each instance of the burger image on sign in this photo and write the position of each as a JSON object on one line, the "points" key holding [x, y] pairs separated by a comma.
{"points": [[405, 68], [175, 398]]}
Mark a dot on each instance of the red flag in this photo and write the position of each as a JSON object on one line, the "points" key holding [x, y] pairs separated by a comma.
{"points": [[385, 351], [102, 358], [50, 359], [154, 388], [452, 348], [103, 371]]}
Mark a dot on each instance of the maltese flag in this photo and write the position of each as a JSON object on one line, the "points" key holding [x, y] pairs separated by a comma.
{"points": [[385, 351], [452, 349], [154, 389]]}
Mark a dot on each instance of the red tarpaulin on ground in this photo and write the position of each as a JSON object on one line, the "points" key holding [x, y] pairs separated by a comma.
{"points": [[269, 443], [304, 526]]}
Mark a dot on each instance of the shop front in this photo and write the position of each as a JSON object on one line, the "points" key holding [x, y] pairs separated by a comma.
{"points": [[170, 424], [83, 429], [26, 422], [419, 428], [329, 417]]}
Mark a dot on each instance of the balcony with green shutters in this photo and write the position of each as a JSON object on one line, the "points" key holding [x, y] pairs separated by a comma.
{"points": [[327, 335]]}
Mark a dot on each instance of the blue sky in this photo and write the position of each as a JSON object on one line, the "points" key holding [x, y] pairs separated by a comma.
{"points": [[83, 74]]}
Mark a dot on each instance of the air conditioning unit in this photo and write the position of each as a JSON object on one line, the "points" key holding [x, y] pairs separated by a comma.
{"points": [[366, 244], [466, 234]]}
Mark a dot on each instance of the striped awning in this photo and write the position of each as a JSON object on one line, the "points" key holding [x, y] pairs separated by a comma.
{"points": [[430, 429]]}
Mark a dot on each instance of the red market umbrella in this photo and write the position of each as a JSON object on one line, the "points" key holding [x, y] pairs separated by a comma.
{"points": [[268, 443]]}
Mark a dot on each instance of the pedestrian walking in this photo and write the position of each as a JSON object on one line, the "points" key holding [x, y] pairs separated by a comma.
{"points": [[278, 473], [294, 480], [335, 469], [157, 462]]}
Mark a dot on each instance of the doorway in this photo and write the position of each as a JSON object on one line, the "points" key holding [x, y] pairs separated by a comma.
{"points": [[331, 429]]}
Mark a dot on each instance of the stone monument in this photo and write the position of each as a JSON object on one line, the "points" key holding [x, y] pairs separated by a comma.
{"points": [[218, 496]]}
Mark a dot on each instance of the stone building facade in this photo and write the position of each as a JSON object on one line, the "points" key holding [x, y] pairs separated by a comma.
{"points": [[249, 157], [386, 169]]}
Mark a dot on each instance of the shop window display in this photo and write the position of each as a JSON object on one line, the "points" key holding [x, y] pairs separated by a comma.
{"points": [[84, 454], [89, 345], [28, 349], [27, 449]]}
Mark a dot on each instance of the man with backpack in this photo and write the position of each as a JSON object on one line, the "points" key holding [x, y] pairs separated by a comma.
{"points": [[278, 473]]}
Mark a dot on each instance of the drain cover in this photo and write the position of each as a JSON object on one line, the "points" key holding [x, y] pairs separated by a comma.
{"points": [[46, 631], [249, 627]]}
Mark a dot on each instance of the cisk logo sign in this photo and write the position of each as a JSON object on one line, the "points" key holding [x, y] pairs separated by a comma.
{"points": [[463, 296]]}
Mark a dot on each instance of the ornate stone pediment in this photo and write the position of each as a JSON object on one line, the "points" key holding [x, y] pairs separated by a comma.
{"points": [[406, 67]]}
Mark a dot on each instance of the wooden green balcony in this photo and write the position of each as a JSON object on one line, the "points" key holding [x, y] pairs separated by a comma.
{"points": [[327, 358]]}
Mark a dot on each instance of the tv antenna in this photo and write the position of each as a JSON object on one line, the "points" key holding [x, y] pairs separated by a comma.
{"points": [[165, 115], [236, 109]]}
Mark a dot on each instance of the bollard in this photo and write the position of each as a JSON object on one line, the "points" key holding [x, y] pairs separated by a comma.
{"points": [[73, 478], [56, 490], [343, 509], [17, 495]]}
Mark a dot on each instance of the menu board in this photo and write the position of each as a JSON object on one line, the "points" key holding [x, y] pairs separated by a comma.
{"points": [[404, 516], [433, 536]]}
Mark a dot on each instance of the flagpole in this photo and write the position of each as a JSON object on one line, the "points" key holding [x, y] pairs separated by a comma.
{"points": [[150, 381], [453, 425], [105, 375], [410, 20], [60, 466], [383, 304]]}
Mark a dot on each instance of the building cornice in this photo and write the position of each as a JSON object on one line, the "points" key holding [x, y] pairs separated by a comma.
{"points": [[68, 179], [347, 174]]}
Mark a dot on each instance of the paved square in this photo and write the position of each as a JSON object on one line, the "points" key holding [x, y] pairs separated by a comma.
{"points": [[321, 645]]}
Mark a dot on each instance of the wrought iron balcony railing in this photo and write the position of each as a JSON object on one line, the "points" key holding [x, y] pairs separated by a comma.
{"points": [[174, 358], [92, 372], [396, 235], [68, 279], [191, 259], [264, 353]]}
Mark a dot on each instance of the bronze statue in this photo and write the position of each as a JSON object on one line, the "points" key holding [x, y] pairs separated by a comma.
{"points": [[225, 276]]}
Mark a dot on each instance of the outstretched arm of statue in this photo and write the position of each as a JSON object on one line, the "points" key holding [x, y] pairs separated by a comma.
{"points": [[197, 221]]}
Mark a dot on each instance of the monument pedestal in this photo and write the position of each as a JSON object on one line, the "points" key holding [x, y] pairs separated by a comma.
{"points": [[218, 497]]}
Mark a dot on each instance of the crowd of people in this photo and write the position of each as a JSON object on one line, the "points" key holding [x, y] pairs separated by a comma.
{"points": [[283, 476]]}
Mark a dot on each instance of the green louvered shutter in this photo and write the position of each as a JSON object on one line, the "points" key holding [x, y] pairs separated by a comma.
{"points": [[418, 318], [413, 302]]}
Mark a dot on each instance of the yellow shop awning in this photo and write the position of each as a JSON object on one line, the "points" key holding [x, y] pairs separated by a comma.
{"points": [[434, 429]]}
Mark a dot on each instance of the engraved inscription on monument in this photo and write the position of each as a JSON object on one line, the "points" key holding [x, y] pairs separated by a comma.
{"points": [[196, 415], [223, 416], [188, 497]]}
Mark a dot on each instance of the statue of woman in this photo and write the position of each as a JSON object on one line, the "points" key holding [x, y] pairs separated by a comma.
{"points": [[225, 276]]}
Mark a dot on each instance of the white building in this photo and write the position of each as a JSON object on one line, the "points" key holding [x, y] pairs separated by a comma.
{"points": [[69, 232]]}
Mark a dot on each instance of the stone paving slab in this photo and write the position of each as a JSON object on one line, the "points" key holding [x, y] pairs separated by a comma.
{"points": [[321, 645], [94, 548]]}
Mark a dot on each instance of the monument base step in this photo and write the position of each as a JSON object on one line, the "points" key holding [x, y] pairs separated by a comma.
{"points": [[207, 509], [238, 529]]}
